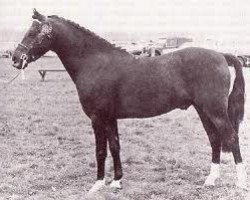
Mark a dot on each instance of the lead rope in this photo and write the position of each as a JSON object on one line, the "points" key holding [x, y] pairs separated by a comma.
{"points": [[24, 58]]}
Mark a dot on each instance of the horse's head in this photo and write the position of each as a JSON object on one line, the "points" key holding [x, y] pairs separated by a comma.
{"points": [[36, 42]]}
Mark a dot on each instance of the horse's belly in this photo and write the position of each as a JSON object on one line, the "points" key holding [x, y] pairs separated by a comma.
{"points": [[141, 113], [148, 107]]}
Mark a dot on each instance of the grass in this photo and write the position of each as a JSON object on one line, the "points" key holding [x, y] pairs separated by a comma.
{"points": [[47, 147]]}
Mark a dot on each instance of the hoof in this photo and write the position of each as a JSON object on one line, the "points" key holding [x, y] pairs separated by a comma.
{"points": [[116, 185], [242, 176], [97, 186], [214, 174], [210, 181], [242, 185]]}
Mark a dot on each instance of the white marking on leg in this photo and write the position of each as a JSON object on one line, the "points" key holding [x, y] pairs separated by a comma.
{"points": [[214, 174], [116, 184], [97, 186], [241, 175]]}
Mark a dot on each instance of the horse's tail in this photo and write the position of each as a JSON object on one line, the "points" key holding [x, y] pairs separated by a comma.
{"points": [[236, 99]]}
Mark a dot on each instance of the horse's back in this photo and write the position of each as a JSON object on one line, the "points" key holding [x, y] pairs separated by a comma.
{"points": [[175, 80], [146, 87]]}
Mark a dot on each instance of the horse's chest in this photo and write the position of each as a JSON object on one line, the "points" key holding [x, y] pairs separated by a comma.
{"points": [[96, 97]]}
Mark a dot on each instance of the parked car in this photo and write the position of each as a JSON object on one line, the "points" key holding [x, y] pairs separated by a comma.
{"points": [[138, 49], [5, 54], [164, 45], [245, 60], [157, 47]]}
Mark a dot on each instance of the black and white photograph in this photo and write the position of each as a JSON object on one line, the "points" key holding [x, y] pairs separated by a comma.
{"points": [[124, 100]]}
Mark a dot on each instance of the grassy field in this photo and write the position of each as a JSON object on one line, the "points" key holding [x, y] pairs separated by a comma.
{"points": [[47, 147]]}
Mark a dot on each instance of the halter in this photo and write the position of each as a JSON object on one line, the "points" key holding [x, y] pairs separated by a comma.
{"points": [[25, 56], [23, 45], [46, 31]]}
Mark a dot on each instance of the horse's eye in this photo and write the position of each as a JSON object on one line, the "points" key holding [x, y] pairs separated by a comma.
{"points": [[31, 34]]}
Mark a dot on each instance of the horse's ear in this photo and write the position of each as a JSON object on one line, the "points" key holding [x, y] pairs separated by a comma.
{"points": [[38, 16]]}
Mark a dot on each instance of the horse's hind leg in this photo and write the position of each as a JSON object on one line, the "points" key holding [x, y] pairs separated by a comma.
{"points": [[240, 167], [229, 138], [215, 141]]}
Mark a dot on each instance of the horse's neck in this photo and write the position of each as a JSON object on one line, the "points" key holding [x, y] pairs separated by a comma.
{"points": [[70, 65], [77, 56]]}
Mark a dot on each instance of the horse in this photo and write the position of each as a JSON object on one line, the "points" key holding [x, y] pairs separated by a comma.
{"points": [[112, 84]]}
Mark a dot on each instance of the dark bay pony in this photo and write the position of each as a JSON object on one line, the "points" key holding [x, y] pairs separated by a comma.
{"points": [[112, 85]]}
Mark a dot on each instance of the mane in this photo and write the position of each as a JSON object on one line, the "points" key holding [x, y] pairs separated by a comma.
{"points": [[92, 34]]}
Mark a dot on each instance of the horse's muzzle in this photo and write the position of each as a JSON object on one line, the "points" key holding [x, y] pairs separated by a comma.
{"points": [[21, 63], [18, 65]]}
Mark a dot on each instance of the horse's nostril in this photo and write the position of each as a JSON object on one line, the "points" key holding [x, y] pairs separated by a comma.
{"points": [[14, 59]]}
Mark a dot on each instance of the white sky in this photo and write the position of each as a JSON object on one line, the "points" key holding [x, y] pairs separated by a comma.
{"points": [[221, 19]]}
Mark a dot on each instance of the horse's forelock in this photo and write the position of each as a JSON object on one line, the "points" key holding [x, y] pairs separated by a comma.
{"points": [[36, 23]]}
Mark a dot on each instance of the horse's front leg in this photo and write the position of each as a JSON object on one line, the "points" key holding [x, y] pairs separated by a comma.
{"points": [[101, 153], [114, 145]]}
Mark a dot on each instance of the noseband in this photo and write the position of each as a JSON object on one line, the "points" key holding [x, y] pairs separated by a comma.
{"points": [[25, 56], [24, 46]]}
